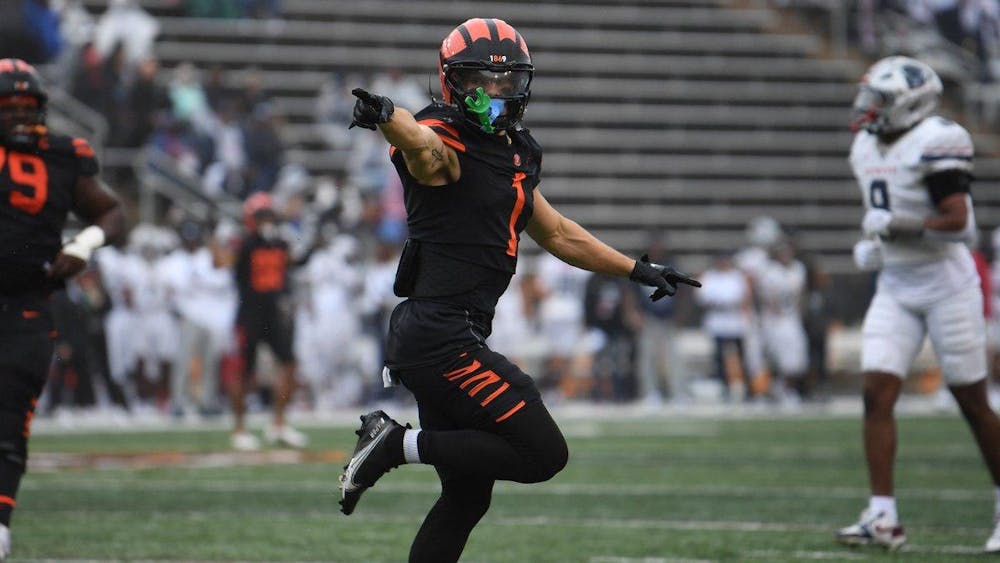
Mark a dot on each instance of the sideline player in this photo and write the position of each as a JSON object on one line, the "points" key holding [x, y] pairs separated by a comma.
{"points": [[914, 170], [262, 281], [43, 176], [470, 174]]}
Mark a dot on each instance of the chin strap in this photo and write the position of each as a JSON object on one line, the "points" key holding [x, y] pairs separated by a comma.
{"points": [[25, 138]]}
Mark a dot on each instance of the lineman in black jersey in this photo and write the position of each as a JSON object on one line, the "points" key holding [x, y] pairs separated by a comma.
{"points": [[470, 175], [43, 177]]}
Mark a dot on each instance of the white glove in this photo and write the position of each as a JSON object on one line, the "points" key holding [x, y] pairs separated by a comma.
{"points": [[85, 243], [868, 255], [876, 223]]}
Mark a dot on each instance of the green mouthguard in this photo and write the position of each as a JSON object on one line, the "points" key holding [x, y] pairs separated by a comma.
{"points": [[481, 107]]}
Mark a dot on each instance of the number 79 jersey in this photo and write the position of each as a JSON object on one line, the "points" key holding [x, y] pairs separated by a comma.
{"points": [[893, 178], [36, 195]]}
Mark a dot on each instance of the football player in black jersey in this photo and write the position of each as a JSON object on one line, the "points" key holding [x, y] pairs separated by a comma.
{"points": [[43, 176], [470, 174], [262, 282]]}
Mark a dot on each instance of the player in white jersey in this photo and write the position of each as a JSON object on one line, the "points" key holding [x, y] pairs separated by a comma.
{"points": [[203, 297], [155, 334], [560, 317], [328, 323], [914, 171], [119, 271], [763, 234], [780, 285]]}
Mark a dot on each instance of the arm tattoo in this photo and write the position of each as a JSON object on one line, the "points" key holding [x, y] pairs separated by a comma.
{"points": [[437, 154]]}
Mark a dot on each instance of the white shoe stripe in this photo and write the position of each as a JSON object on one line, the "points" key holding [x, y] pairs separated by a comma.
{"points": [[347, 484]]}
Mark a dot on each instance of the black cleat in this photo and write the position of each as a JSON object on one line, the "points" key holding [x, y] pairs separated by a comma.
{"points": [[373, 457]]}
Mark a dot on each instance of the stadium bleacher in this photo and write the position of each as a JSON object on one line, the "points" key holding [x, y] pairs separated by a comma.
{"points": [[690, 116]]}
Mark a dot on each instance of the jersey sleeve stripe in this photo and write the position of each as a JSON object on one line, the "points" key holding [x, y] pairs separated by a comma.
{"points": [[446, 140], [452, 143], [82, 147], [933, 157], [441, 127]]}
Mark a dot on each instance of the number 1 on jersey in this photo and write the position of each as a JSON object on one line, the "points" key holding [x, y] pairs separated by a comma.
{"points": [[518, 186], [29, 171], [878, 194]]}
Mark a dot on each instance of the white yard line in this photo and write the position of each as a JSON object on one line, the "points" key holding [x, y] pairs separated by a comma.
{"points": [[614, 559], [683, 418], [593, 524], [72, 482], [769, 554]]}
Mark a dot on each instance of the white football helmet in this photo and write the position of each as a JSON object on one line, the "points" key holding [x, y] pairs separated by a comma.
{"points": [[763, 232], [895, 94]]}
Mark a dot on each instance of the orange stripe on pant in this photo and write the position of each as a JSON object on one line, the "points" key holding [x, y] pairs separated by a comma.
{"points": [[462, 372], [8, 501], [489, 381], [510, 413], [495, 394], [28, 417], [488, 375]]}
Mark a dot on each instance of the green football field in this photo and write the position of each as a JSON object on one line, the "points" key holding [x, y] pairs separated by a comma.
{"points": [[636, 490]]}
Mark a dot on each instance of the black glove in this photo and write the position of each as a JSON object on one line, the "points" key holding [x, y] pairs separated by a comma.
{"points": [[371, 109], [664, 278]]}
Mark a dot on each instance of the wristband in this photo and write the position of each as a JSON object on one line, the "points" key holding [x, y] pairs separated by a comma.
{"points": [[85, 243], [901, 225], [965, 235]]}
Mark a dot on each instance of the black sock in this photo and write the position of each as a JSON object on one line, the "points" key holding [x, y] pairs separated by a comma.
{"points": [[10, 479], [395, 450]]}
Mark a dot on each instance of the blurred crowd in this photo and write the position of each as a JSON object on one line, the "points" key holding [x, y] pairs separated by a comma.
{"points": [[766, 312], [150, 328], [922, 28], [973, 25]]}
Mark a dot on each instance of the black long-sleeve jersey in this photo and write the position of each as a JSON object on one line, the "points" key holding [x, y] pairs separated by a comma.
{"points": [[467, 236]]}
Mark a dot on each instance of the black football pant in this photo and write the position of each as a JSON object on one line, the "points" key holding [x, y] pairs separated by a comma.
{"points": [[482, 420], [25, 354]]}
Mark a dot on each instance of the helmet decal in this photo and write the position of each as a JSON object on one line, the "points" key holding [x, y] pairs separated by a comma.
{"points": [[453, 44], [914, 76], [895, 94]]}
